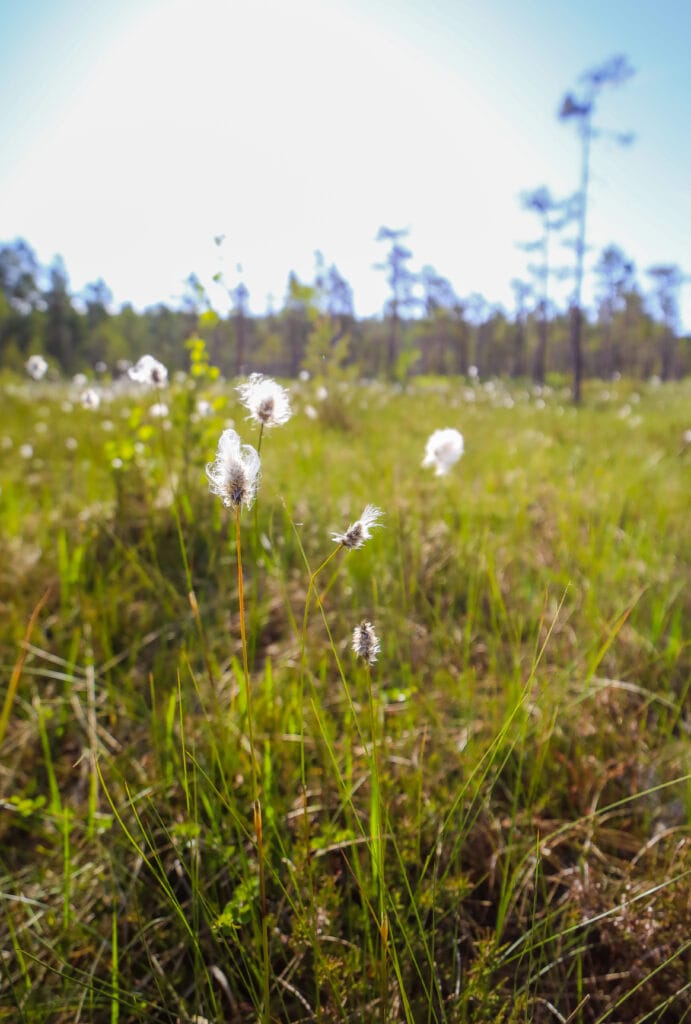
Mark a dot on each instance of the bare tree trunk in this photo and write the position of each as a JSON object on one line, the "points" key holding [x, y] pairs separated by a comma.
{"points": [[392, 349], [576, 326], [607, 352], [667, 354], [518, 367], [540, 356], [240, 343]]}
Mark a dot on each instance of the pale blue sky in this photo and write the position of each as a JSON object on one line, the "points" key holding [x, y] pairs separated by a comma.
{"points": [[133, 131]]}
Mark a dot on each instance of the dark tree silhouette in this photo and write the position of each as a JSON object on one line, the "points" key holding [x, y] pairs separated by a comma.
{"points": [[616, 278], [401, 280], [19, 274], [20, 299], [554, 214], [240, 296], [63, 325], [667, 282], [581, 109], [97, 297], [522, 291], [335, 300], [440, 333]]}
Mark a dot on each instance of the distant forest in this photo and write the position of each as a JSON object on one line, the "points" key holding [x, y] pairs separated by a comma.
{"points": [[425, 328]]}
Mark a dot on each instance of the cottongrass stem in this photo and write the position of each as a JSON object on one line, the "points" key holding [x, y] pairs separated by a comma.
{"points": [[256, 802], [233, 476], [366, 646]]}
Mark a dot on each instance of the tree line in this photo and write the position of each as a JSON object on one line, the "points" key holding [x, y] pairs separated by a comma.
{"points": [[425, 327]]}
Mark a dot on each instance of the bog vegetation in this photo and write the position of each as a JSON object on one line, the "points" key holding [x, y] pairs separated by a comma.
{"points": [[277, 758]]}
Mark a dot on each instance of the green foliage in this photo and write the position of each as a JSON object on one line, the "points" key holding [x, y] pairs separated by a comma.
{"points": [[317, 330], [490, 823]]}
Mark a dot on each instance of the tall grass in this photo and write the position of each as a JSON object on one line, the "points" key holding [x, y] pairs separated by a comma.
{"points": [[213, 811]]}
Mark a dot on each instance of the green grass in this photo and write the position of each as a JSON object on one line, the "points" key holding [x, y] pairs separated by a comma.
{"points": [[489, 824]]}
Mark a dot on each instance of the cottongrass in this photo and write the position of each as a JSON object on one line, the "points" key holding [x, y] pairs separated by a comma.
{"points": [[90, 399], [234, 477], [234, 473], [149, 371], [444, 449], [36, 367], [366, 643], [268, 402], [359, 531]]}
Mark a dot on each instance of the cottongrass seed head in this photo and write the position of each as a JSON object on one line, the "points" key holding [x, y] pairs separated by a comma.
{"points": [[268, 402], [366, 642], [356, 534], [36, 367], [444, 448], [234, 474], [90, 398], [150, 372]]}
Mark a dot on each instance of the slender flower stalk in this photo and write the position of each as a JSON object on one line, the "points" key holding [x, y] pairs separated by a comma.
{"points": [[354, 537], [256, 801], [233, 476], [366, 645]]}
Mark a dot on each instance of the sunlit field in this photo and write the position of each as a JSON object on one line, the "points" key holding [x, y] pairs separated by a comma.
{"points": [[486, 820]]}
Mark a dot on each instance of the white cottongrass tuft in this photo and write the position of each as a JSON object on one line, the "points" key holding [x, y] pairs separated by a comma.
{"points": [[365, 642], [356, 534], [234, 474], [268, 402], [159, 409], [444, 448], [36, 367], [149, 371], [90, 398]]}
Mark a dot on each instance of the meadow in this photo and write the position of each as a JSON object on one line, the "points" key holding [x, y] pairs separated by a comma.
{"points": [[211, 809]]}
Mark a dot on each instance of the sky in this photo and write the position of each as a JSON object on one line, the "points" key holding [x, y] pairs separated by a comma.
{"points": [[135, 132]]}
